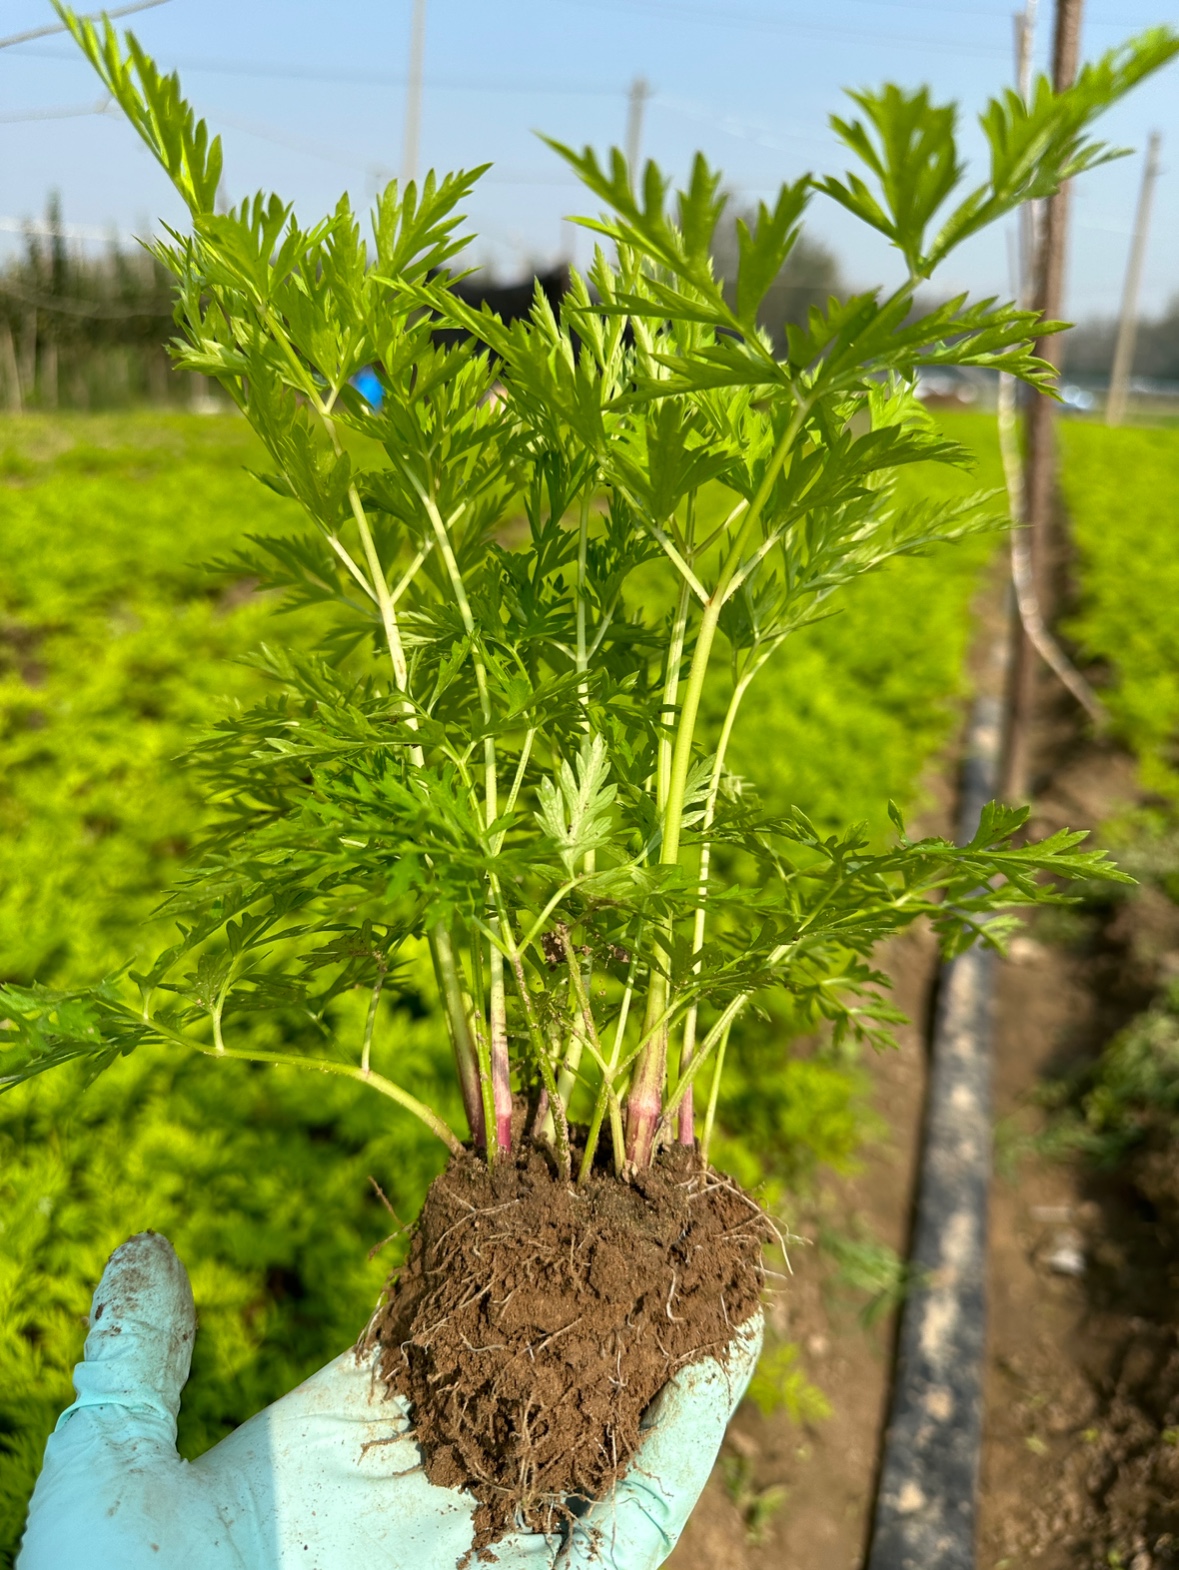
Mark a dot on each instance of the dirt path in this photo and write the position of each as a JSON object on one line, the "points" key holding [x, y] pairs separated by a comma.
{"points": [[823, 1476], [828, 1470], [1083, 1312]]}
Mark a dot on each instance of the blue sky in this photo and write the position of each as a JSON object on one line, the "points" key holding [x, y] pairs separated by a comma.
{"points": [[310, 100]]}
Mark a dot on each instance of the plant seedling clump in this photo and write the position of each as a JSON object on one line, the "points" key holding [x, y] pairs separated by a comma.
{"points": [[552, 557]]}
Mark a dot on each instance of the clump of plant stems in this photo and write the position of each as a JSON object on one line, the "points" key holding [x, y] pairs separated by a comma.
{"points": [[557, 555]]}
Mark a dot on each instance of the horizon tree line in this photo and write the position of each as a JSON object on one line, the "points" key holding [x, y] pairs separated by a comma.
{"points": [[80, 330]]}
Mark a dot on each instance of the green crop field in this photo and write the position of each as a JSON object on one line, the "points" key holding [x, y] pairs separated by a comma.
{"points": [[1122, 491], [115, 647]]}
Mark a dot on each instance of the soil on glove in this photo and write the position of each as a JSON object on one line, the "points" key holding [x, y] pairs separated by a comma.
{"points": [[535, 1321]]}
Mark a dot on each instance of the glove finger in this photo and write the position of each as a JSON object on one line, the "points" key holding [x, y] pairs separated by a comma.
{"points": [[142, 1323], [638, 1524]]}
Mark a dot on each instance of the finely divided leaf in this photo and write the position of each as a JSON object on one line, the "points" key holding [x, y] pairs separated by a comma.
{"points": [[576, 807]]}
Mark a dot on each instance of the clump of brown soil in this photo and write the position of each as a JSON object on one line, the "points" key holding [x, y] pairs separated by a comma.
{"points": [[534, 1321]]}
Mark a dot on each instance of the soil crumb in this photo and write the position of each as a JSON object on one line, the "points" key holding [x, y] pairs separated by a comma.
{"points": [[534, 1322]]}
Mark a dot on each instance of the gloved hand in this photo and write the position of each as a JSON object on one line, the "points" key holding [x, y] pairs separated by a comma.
{"points": [[329, 1478]]}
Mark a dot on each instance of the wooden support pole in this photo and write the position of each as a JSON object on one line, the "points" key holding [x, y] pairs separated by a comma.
{"points": [[1025, 40], [640, 91], [1040, 489], [13, 401], [413, 95], [1119, 381]]}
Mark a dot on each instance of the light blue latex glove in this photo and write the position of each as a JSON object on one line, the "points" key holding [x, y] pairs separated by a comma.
{"points": [[328, 1478]]}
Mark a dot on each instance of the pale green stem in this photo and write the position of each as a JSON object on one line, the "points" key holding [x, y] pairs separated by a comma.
{"points": [[590, 1037], [623, 1013], [465, 1033], [710, 1115], [607, 1102], [538, 925], [707, 1047], [486, 1083], [617, 1132], [459, 1014], [498, 840], [615, 1109], [346, 557], [384, 598], [500, 1073], [590, 860], [593, 1133], [714, 1036], [741, 687], [500, 1091], [603, 627], [675, 556], [377, 1082], [686, 730], [722, 528], [567, 1079], [513, 794], [540, 1050], [459, 589], [671, 687], [218, 1009], [370, 1022], [376, 572], [662, 1023], [605, 1095], [410, 572], [582, 554], [644, 1103], [466, 1044]]}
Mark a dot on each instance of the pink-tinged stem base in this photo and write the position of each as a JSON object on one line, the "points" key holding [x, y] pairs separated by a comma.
{"points": [[501, 1086], [686, 1132], [642, 1119]]}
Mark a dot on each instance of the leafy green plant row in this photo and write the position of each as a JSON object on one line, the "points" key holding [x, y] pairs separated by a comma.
{"points": [[114, 649], [1121, 487]]}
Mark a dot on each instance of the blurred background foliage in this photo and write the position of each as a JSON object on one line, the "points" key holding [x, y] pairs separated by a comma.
{"points": [[87, 328], [1119, 1109], [84, 329], [1121, 488], [115, 646]]}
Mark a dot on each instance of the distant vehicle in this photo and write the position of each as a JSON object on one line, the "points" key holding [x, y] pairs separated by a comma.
{"points": [[957, 387], [508, 301]]}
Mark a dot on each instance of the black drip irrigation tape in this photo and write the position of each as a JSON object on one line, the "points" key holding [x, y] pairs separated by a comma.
{"points": [[925, 1505]]}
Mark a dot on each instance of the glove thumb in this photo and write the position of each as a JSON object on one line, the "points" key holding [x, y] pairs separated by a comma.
{"points": [[111, 1495], [142, 1323]]}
